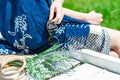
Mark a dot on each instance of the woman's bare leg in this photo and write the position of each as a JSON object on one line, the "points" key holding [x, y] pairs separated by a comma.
{"points": [[115, 42]]}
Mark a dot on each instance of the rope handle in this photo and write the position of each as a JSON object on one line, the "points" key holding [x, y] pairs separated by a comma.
{"points": [[11, 58], [22, 74]]}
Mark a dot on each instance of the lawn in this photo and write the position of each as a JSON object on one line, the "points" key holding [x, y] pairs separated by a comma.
{"points": [[109, 8]]}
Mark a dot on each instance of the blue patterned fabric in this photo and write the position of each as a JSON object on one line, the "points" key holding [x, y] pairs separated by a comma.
{"points": [[23, 26], [72, 30], [72, 36]]}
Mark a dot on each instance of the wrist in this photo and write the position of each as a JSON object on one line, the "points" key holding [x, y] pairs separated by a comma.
{"points": [[83, 16]]}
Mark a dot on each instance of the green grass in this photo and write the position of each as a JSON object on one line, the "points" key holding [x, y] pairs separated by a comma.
{"points": [[109, 8]]}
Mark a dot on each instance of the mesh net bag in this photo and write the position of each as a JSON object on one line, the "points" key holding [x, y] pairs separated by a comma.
{"points": [[80, 36]]}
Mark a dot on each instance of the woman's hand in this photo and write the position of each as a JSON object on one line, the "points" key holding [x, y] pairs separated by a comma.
{"points": [[94, 18], [56, 11]]}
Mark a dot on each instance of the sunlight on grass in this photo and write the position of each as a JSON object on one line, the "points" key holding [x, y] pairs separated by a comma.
{"points": [[109, 8]]}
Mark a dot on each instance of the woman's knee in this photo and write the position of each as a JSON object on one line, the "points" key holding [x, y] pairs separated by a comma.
{"points": [[114, 40]]}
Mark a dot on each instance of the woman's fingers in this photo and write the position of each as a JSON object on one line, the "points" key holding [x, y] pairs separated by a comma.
{"points": [[51, 13], [58, 17], [56, 12], [94, 18]]}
